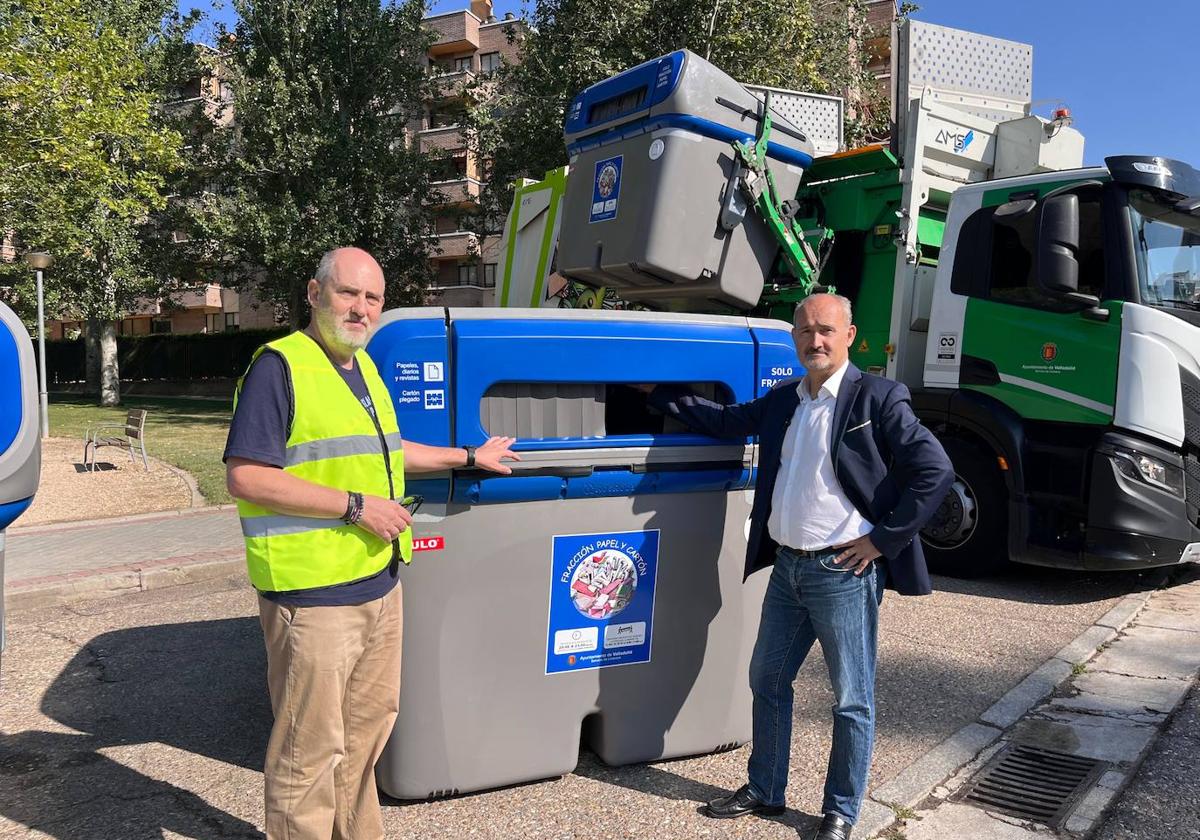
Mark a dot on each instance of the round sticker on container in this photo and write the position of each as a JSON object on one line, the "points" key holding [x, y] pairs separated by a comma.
{"points": [[604, 584], [656, 149]]}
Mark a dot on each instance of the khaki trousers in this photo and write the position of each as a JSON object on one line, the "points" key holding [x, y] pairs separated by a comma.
{"points": [[334, 678]]}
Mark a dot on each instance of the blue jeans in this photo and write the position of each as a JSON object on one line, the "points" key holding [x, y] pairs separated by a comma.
{"points": [[809, 599]]}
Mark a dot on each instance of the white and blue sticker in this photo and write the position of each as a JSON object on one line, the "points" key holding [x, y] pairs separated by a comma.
{"points": [[606, 189], [601, 600]]}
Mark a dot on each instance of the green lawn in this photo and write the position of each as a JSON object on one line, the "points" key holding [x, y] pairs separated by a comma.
{"points": [[188, 433]]}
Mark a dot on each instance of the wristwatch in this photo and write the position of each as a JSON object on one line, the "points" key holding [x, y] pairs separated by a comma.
{"points": [[470, 455]]}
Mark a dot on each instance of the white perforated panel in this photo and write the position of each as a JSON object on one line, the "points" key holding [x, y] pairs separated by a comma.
{"points": [[988, 77], [818, 116], [955, 60]]}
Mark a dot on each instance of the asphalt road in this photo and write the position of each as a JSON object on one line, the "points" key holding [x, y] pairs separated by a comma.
{"points": [[146, 716], [1164, 799]]}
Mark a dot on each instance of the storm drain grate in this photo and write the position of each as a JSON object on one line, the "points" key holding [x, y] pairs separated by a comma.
{"points": [[1033, 783]]}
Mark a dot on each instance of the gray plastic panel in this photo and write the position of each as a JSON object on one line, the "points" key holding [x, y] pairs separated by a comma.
{"points": [[543, 410], [661, 242], [477, 709], [819, 117]]}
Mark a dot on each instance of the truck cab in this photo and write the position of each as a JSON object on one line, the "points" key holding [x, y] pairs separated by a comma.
{"points": [[1063, 364]]}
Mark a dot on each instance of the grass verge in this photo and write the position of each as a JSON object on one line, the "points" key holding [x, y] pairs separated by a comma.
{"points": [[187, 433]]}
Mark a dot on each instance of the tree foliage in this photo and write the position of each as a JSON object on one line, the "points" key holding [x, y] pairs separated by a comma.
{"points": [[85, 156], [570, 44], [317, 155]]}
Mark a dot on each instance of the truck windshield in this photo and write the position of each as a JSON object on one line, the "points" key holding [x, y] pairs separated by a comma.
{"points": [[1168, 252]]}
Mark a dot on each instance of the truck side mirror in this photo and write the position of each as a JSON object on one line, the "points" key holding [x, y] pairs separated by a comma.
{"points": [[1058, 245], [1058, 254]]}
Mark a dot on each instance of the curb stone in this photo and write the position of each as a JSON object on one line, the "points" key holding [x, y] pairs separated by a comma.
{"points": [[139, 577], [962, 750], [18, 530]]}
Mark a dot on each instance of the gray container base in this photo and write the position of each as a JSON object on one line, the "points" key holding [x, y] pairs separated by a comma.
{"points": [[477, 709]]}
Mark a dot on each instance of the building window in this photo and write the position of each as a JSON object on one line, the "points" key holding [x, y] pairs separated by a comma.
{"points": [[232, 321], [489, 62], [462, 65], [214, 322], [160, 325], [445, 118], [489, 275], [466, 275]]}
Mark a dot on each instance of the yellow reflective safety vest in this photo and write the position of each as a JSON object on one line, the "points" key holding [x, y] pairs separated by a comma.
{"points": [[332, 441]]}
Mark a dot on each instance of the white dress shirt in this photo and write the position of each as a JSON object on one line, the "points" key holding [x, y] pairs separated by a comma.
{"points": [[809, 510]]}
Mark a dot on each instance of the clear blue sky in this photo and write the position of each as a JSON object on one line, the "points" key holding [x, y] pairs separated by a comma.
{"points": [[1126, 70]]}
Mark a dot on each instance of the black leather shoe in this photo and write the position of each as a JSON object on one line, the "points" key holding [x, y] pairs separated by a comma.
{"points": [[833, 827], [738, 804]]}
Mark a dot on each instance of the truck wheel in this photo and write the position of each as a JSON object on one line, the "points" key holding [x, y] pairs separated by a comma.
{"points": [[968, 535]]}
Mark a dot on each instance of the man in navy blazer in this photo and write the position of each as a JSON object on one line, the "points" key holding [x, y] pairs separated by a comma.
{"points": [[847, 477]]}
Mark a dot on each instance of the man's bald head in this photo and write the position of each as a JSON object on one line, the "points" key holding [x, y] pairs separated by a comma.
{"points": [[352, 261], [823, 330], [827, 299], [346, 296]]}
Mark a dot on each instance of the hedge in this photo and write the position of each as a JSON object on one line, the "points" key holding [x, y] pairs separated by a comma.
{"points": [[165, 355]]}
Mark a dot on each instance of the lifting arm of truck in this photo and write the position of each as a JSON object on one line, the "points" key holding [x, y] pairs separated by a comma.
{"points": [[756, 181]]}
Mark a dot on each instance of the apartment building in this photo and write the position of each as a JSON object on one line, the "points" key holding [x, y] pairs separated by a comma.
{"points": [[192, 307], [470, 45]]}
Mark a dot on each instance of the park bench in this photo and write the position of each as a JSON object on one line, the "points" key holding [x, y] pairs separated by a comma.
{"points": [[130, 437]]}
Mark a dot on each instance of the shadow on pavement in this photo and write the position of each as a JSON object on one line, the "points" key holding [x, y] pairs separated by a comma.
{"points": [[58, 784], [658, 781], [197, 687], [1037, 585]]}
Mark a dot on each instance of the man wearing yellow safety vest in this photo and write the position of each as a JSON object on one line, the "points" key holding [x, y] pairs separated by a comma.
{"points": [[316, 462]]}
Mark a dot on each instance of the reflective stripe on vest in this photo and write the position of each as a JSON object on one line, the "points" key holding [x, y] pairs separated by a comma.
{"points": [[316, 450], [333, 442]]}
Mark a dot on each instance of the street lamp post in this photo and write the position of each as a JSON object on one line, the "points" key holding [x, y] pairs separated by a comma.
{"points": [[39, 260]]}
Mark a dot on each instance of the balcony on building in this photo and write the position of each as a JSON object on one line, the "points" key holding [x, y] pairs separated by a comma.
{"points": [[455, 32], [451, 80], [457, 244], [458, 191], [447, 138]]}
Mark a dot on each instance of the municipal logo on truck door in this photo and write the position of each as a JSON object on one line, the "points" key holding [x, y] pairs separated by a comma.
{"points": [[606, 189], [1049, 351]]}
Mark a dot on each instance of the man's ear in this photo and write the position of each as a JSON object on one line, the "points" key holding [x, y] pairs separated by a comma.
{"points": [[314, 292], [850, 333]]}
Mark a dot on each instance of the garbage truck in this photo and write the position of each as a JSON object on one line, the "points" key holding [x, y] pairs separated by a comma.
{"points": [[20, 442], [596, 595], [1045, 315]]}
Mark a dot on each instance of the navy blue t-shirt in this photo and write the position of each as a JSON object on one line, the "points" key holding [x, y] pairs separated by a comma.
{"points": [[259, 432]]}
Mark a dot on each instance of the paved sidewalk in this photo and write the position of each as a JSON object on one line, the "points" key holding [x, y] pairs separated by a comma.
{"points": [[1105, 697], [54, 563]]}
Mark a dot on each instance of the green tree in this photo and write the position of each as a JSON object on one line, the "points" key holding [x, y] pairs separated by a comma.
{"points": [[570, 44], [317, 155], [85, 157]]}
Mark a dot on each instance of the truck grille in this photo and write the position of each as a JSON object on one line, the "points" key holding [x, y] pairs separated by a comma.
{"points": [[1190, 386], [1191, 464]]}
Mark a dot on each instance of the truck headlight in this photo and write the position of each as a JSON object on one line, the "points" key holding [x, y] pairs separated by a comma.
{"points": [[1140, 466]]}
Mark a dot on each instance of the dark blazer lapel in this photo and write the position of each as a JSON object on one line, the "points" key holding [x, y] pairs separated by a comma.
{"points": [[851, 382]]}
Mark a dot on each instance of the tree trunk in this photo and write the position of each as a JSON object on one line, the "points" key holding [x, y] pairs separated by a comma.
{"points": [[298, 306], [110, 376], [91, 354]]}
